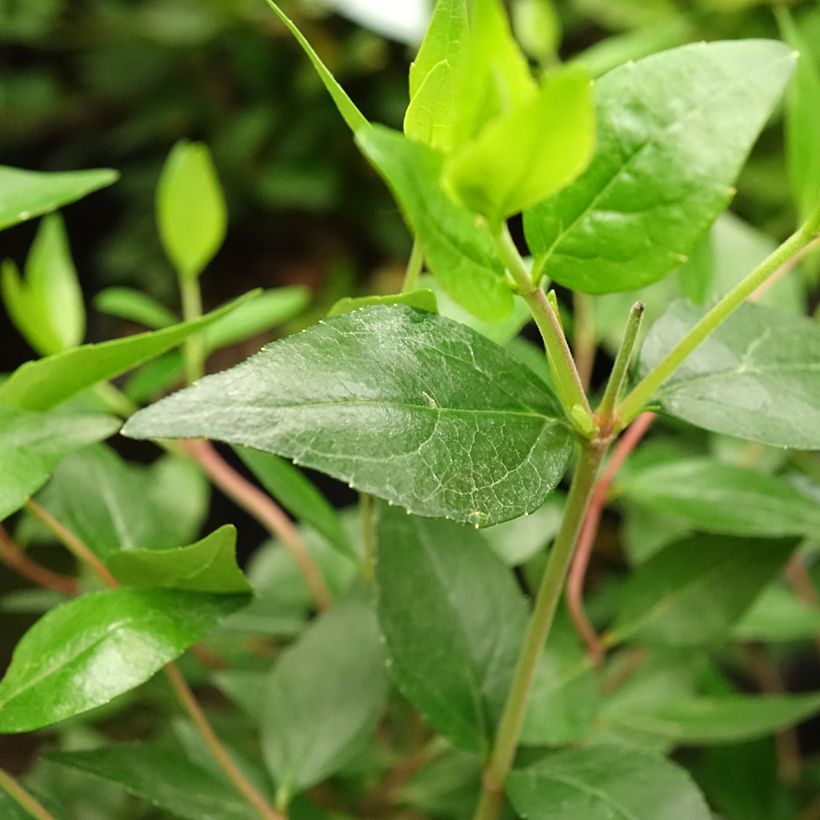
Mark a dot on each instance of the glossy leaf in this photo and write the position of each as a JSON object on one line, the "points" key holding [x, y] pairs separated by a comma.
{"points": [[42, 384], [723, 498], [324, 696], [134, 306], [209, 565], [86, 652], [460, 253], [454, 658], [423, 299], [673, 132], [692, 592], [756, 377], [27, 194], [603, 782], [399, 403], [33, 444]]}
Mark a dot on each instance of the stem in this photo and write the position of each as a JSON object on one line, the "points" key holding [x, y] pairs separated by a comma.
{"points": [[617, 377], [635, 401], [565, 374], [14, 557], [265, 510], [9, 785], [415, 265], [368, 536], [194, 344], [583, 340], [538, 630]]}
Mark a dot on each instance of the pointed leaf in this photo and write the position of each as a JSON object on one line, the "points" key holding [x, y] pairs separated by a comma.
{"points": [[443, 42], [134, 306]]}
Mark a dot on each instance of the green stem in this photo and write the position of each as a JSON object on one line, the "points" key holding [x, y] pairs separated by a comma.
{"points": [[9, 785], [538, 630], [583, 340], [368, 536], [632, 405], [194, 344], [414, 268], [617, 377], [567, 381]]}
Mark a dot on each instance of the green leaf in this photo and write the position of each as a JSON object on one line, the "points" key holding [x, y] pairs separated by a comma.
{"points": [[460, 253], [692, 592], [27, 194], [778, 615], [445, 41], [347, 108], [538, 28], [134, 306], [33, 444], [516, 541], [10, 809], [723, 498], [298, 496], [42, 384], [431, 115], [454, 658], [161, 777], [324, 697], [86, 652], [529, 153], [674, 130], [604, 782], [209, 565], [399, 403], [191, 212], [756, 377], [423, 299]]}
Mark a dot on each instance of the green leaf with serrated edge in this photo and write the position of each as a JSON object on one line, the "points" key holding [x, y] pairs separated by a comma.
{"points": [[700, 721], [528, 153], [673, 132], [33, 444], [42, 384], [692, 592], [423, 299], [756, 377], [191, 213], [454, 659], [27, 194], [134, 306], [399, 403], [88, 651], [209, 565], [602, 782], [347, 108], [778, 615], [460, 252], [163, 778], [723, 498], [294, 491], [324, 696]]}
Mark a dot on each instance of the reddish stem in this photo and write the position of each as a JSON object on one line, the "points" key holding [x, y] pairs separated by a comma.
{"points": [[14, 557]]}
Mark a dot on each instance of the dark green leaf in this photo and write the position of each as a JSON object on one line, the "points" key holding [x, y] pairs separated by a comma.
{"points": [[423, 299], [400, 403], [134, 306]]}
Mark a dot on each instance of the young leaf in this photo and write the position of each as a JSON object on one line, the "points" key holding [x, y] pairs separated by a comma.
{"points": [[460, 253], [431, 115], [673, 132], [42, 384], [538, 28], [134, 306], [86, 652], [755, 377], [527, 154], [191, 212], [455, 657], [604, 782], [32, 445], [725, 499], [163, 778], [209, 565], [423, 299], [445, 41], [692, 592], [400, 403], [324, 697], [27, 194]]}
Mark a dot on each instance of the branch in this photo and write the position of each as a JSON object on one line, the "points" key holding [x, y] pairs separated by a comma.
{"points": [[16, 558]]}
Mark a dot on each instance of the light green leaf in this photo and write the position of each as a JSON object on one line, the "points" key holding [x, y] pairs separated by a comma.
{"points": [[778, 615], [603, 782], [692, 592], [209, 565], [191, 213], [423, 299], [528, 153], [86, 652], [33, 444], [461, 253], [42, 384], [134, 306], [400, 403], [324, 696], [756, 377], [538, 28], [27, 194], [161, 777], [674, 130], [431, 115], [454, 658], [723, 498], [516, 541], [445, 41]]}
